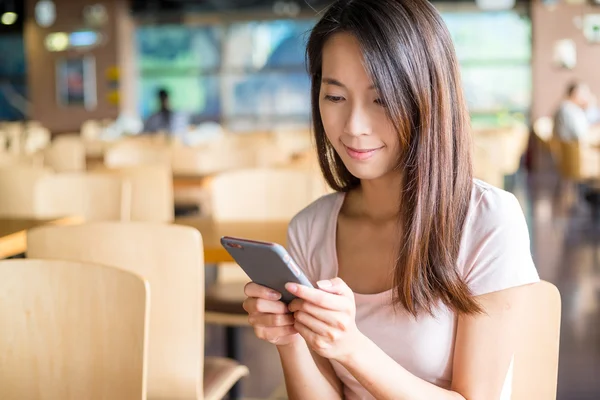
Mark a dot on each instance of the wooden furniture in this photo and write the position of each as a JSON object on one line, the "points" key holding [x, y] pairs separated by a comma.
{"points": [[151, 191], [72, 330], [134, 152], [66, 153], [13, 232], [263, 194], [536, 357], [212, 231], [170, 257], [17, 185], [93, 196]]}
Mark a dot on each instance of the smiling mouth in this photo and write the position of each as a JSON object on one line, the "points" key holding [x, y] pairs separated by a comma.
{"points": [[361, 154]]}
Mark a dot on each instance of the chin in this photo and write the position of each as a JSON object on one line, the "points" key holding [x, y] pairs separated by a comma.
{"points": [[365, 173]]}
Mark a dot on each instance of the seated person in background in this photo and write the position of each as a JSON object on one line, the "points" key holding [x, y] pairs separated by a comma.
{"points": [[576, 114], [165, 119]]}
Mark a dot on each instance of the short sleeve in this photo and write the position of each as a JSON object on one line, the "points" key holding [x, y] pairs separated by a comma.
{"points": [[297, 246], [497, 245]]}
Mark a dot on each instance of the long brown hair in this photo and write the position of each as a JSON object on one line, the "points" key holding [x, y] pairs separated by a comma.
{"points": [[408, 52]]}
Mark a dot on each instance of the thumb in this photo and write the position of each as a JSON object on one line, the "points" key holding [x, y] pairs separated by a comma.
{"points": [[335, 286]]}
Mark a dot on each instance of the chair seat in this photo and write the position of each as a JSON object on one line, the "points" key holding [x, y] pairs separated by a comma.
{"points": [[226, 298], [220, 374]]}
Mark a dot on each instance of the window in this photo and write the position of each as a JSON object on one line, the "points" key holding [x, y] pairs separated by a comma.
{"points": [[251, 75]]}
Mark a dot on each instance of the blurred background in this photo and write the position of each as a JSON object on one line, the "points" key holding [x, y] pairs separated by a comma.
{"points": [[199, 111]]}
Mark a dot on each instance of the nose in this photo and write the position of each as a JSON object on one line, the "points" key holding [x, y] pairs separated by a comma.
{"points": [[358, 122]]}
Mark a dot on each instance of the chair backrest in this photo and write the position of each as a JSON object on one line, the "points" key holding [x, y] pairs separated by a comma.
{"points": [[536, 359], [92, 196], [17, 186], [152, 197], [171, 258], [66, 154], [72, 330], [133, 152], [36, 139], [263, 194], [578, 161]]}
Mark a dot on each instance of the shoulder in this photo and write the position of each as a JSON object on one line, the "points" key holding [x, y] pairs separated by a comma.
{"points": [[491, 203], [316, 213], [495, 249]]}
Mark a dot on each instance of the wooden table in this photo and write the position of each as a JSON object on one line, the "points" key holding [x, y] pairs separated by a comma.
{"points": [[13, 232], [212, 232]]}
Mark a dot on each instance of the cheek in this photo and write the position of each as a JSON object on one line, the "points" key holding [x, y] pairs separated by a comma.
{"points": [[332, 122]]}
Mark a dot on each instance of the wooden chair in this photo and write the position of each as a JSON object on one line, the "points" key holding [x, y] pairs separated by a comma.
{"points": [[252, 195], [135, 152], [262, 194], [151, 191], [72, 330], [66, 154], [92, 196], [171, 258], [535, 370], [17, 186]]}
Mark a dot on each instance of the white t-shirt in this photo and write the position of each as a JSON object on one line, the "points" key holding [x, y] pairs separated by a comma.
{"points": [[571, 122], [494, 255]]}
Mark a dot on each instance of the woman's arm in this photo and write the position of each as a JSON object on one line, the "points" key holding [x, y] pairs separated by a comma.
{"points": [[308, 375], [484, 346], [483, 350]]}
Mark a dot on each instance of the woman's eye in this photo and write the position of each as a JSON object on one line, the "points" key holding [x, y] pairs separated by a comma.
{"points": [[334, 99], [379, 102]]}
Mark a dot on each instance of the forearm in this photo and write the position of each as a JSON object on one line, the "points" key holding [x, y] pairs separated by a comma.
{"points": [[384, 378], [304, 377]]}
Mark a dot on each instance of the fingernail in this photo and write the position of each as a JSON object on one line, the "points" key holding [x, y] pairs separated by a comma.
{"points": [[291, 287], [324, 284], [274, 295]]}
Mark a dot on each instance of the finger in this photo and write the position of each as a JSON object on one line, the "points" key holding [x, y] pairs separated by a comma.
{"points": [[335, 286], [255, 290], [252, 305], [319, 327], [271, 320], [334, 319], [313, 339], [273, 335], [317, 296]]}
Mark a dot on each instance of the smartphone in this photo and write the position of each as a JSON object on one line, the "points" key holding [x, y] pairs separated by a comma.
{"points": [[267, 264]]}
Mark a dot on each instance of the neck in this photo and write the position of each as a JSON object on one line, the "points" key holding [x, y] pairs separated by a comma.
{"points": [[379, 199]]}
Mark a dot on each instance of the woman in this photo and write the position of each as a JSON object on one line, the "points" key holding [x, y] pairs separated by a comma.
{"points": [[417, 264]]}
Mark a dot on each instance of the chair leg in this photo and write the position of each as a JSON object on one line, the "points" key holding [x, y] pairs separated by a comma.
{"points": [[232, 344]]}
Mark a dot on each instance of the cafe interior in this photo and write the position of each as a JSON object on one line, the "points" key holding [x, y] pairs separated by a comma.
{"points": [[114, 282]]}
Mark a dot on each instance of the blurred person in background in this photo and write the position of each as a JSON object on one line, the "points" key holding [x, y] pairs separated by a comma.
{"points": [[577, 114], [165, 119]]}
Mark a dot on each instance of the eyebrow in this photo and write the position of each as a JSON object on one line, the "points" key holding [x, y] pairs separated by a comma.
{"points": [[335, 82]]}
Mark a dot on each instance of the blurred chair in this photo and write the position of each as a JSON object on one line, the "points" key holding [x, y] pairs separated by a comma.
{"points": [[66, 153], [151, 191], [133, 152], [536, 356], [17, 188], [72, 330], [171, 258], [485, 168], [93, 196], [37, 138], [262, 194], [253, 195], [8, 159]]}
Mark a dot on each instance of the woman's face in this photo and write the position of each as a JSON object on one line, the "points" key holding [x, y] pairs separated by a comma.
{"points": [[354, 118]]}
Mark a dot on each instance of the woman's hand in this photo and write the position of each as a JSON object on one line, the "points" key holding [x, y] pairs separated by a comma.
{"points": [[269, 317], [325, 318]]}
